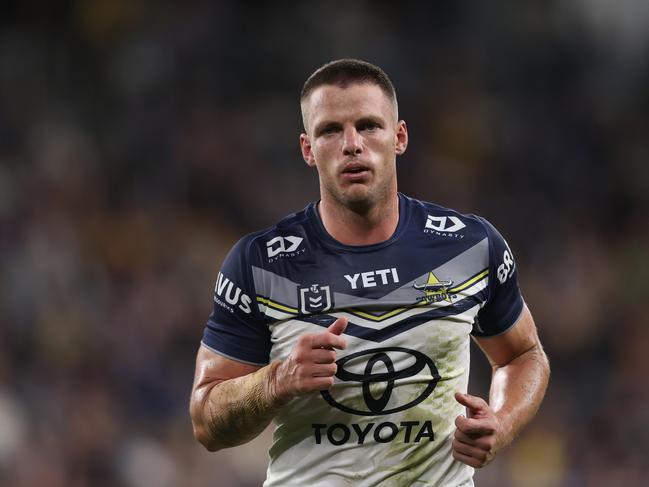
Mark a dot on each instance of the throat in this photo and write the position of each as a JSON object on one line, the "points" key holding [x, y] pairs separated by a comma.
{"points": [[360, 224]]}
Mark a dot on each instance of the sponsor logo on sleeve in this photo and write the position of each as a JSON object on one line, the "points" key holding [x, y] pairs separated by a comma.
{"points": [[444, 226], [507, 268], [228, 295], [280, 247]]}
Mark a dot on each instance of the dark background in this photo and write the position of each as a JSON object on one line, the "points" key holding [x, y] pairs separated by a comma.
{"points": [[139, 140]]}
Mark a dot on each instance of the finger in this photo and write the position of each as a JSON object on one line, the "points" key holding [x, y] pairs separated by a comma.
{"points": [[475, 427], [325, 370], [322, 383], [470, 451], [478, 441], [323, 356], [473, 403], [328, 340], [338, 326], [470, 461], [464, 438]]}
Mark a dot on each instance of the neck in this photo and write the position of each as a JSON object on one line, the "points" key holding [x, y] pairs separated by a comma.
{"points": [[363, 226]]}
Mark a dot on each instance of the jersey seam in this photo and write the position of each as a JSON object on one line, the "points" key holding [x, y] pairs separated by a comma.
{"points": [[251, 279], [490, 251]]}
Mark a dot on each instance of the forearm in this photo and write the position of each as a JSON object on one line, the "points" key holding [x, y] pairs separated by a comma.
{"points": [[235, 411], [517, 390]]}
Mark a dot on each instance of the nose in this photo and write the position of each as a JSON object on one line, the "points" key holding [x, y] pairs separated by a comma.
{"points": [[352, 144]]}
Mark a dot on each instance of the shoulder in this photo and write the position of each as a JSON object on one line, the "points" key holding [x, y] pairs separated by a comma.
{"points": [[286, 237], [446, 222]]}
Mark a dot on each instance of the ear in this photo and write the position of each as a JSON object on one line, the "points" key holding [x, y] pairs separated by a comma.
{"points": [[401, 137], [307, 153]]}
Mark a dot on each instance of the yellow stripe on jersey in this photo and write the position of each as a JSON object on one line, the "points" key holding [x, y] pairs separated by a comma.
{"points": [[381, 317], [277, 306], [470, 282]]}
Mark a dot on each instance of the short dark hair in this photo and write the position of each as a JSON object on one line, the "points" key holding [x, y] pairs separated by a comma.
{"points": [[344, 72]]}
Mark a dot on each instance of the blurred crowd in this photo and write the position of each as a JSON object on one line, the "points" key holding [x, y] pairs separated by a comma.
{"points": [[139, 140]]}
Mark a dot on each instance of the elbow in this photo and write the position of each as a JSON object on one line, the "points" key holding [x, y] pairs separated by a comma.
{"points": [[543, 359], [205, 438], [202, 432]]}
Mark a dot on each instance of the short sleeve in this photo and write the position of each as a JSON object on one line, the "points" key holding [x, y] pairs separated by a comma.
{"points": [[504, 302], [235, 328]]}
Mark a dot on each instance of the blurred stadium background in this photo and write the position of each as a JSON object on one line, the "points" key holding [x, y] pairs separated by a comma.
{"points": [[139, 140]]}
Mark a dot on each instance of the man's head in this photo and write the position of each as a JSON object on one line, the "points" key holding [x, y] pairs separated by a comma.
{"points": [[342, 73], [352, 134]]}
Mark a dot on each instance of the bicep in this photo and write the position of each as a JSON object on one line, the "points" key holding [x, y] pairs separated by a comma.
{"points": [[519, 339], [212, 368]]}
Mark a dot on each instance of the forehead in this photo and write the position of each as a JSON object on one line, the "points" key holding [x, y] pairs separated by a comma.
{"points": [[332, 102]]}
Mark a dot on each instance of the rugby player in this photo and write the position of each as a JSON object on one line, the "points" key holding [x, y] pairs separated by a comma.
{"points": [[348, 323]]}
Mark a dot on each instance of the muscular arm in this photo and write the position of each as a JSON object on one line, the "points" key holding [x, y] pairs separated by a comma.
{"points": [[232, 402], [520, 373]]}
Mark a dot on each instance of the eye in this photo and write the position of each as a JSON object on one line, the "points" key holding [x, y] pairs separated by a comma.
{"points": [[368, 126], [329, 129]]}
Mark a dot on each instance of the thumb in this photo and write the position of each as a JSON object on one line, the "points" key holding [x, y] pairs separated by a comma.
{"points": [[338, 326], [474, 404]]}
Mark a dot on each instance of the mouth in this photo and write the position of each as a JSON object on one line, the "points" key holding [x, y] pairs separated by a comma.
{"points": [[355, 171]]}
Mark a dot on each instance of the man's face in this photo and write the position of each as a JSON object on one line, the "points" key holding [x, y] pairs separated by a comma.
{"points": [[353, 138]]}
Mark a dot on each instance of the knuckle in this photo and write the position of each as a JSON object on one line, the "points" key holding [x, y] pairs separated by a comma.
{"points": [[304, 340]]}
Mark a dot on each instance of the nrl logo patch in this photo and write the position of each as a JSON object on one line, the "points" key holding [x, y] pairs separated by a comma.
{"points": [[315, 299]]}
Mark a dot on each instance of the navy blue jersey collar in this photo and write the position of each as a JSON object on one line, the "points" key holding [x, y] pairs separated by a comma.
{"points": [[319, 229]]}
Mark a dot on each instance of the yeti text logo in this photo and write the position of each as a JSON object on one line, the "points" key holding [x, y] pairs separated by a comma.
{"points": [[351, 369], [440, 223], [369, 279], [279, 245]]}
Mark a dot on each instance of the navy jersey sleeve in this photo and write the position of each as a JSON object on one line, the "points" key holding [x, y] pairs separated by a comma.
{"points": [[236, 329], [504, 302]]}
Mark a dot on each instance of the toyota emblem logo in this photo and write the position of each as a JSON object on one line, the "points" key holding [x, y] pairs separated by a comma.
{"points": [[387, 356]]}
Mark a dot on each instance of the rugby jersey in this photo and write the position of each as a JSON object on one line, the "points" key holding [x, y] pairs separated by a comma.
{"points": [[412, 301]]}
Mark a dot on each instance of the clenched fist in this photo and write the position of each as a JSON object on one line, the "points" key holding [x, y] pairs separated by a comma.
{"points": [[311, 364], [478, 436]]}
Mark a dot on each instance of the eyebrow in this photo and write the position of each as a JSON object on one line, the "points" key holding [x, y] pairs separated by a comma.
{"points": [[370, 119], [320, 127]]}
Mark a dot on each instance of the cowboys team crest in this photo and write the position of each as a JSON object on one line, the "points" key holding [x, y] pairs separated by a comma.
{"points": [[434, 290]]}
